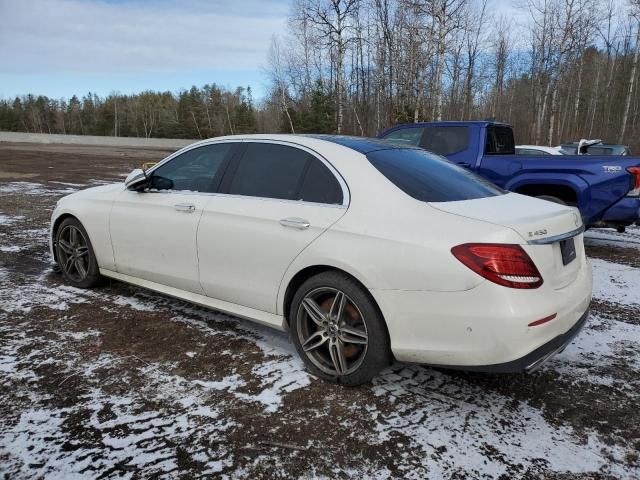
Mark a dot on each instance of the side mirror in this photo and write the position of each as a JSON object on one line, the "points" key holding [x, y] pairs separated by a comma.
{"points": [[135, 179]]}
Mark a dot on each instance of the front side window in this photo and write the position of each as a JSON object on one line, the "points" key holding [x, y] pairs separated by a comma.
{"points": [[405, 136], [195, 170], [430, 178], [445, 140]]}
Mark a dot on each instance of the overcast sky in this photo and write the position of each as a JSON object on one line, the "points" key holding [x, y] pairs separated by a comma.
{"points": [[63, 47]]}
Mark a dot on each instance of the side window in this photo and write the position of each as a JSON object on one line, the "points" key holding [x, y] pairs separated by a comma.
{"points": [[270, 171], [500, 141], [445, 140], [194, 170], [405, 136], [320, 185]]}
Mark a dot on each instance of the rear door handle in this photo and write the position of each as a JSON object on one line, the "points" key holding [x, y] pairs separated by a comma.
{"points": [[185, 207], [294, 222]]}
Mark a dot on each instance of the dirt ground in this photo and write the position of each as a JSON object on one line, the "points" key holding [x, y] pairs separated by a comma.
{"points": [[119, 382]]}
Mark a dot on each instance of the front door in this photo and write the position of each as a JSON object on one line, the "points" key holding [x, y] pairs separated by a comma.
{"points": [[277, 199], [153, 232]]}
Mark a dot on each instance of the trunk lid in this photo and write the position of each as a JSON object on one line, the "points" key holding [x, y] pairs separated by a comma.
{"points": [[539, 223]]}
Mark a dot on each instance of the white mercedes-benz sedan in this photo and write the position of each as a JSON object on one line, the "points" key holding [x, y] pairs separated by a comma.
{"points": [[362, 250]]}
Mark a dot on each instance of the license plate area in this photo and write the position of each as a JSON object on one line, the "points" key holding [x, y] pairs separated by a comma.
{"points": [[568, 250]]}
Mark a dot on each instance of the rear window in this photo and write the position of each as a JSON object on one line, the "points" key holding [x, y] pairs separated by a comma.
{"points": [[430, 178]]}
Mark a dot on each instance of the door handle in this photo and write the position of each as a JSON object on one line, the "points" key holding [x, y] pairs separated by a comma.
{"points": [[185, 207], [294, 222]]}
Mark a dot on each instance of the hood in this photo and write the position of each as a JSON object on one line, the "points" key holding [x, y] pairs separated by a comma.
{"points": [[98, 191], [533, 219]]}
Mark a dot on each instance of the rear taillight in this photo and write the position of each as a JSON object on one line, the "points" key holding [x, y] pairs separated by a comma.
{"points": [[504, 264], [635, 184]]}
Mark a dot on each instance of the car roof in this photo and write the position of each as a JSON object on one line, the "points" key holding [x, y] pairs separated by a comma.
{"points": [[362, 145]]}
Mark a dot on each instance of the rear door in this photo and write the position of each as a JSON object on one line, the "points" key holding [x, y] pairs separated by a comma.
{"points": [[274, 201], [153, 232]]}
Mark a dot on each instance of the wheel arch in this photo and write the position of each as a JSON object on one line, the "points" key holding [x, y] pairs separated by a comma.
{"points": [[561, 190], [54, 230], [309, 271]]}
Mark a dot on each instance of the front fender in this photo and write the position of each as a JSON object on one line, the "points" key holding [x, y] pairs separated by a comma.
{"points": [[93, 212]]}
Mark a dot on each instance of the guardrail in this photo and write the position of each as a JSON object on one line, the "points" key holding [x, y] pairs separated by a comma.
{"points": [[45, 138]]}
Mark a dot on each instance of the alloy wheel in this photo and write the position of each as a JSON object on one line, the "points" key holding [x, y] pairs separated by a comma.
{"points": [[332, 331], [73, 253]]}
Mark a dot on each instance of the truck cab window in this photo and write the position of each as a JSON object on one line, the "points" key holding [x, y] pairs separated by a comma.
{"points": [[500, 141], [445, 140]]}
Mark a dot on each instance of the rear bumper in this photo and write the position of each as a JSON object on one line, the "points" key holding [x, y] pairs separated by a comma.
{"points": [[625, 211], [533, 360], [485, 326]]}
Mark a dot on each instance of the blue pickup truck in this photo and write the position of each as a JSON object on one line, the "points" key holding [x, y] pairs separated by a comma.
{"points": [[606, 189]]}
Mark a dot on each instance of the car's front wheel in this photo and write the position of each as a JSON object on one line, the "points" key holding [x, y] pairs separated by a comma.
{"points": [[75, 255], [338, 330]]}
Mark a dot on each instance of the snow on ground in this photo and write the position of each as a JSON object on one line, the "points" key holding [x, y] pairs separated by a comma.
{"points": [[600, 350], [122, 382], [480, 424], [9, 220], [32, 188], [615, 283], [609, 237]]}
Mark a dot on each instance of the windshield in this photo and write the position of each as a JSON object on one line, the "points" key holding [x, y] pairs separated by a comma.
{"points": [[429, 177]]}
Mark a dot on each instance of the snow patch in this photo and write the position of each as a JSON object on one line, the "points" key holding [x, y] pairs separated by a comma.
{"points": [[460, 425], [616, 283], [9, 219], [603, 345], [608, 237]]}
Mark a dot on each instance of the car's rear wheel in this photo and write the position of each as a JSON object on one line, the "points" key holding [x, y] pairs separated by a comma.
{"points": [[75, 255], [338, 330]]}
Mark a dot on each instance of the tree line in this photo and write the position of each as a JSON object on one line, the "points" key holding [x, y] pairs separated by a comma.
{"points": [[196, 113], [569, 71]]}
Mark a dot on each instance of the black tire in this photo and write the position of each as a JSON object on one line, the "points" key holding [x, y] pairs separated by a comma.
{"points": [[76, 260], [551, 198], [344, 329]]}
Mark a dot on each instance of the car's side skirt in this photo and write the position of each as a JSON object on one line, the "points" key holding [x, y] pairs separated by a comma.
{"points": [[265, 318]]}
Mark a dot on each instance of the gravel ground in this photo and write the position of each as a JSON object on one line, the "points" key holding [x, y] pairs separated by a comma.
{"points": [[119, 382]]}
